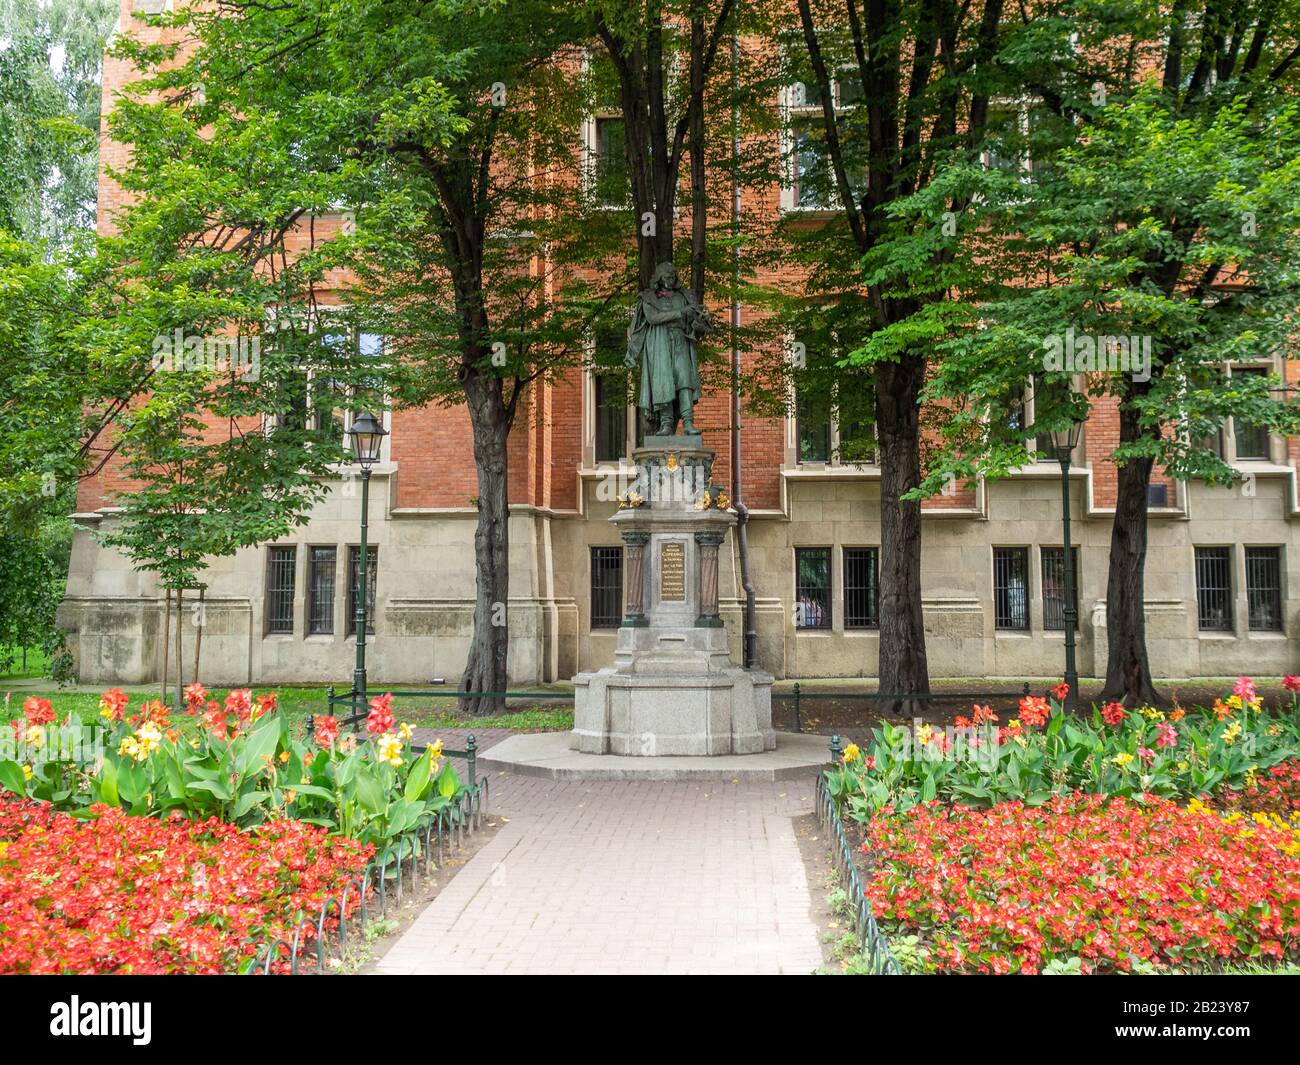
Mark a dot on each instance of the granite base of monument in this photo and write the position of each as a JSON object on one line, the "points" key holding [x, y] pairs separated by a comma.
{"points": [[673, 689]]}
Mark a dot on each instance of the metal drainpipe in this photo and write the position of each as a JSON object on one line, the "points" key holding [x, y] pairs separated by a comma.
{"points": [[750, 643]]}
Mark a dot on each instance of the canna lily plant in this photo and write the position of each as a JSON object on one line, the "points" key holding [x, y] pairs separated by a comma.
{"points": [[1044, 752], [239, 762]]}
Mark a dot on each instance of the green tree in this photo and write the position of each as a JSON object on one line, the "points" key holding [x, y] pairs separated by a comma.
{"points": [[443, 133], [50, 58], [1162, 206]]}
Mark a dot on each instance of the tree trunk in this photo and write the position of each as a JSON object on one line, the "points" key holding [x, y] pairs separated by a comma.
{"points": [[198, 635], [1128, 676], [485, 670], [166, 640], [903, 664], [180, 639]]}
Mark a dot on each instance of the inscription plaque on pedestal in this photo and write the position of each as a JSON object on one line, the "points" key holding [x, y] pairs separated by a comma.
{"points": [[672, 571]]}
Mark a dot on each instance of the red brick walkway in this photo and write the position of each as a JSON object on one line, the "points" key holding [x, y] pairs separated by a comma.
{"points": [[613, 877]]}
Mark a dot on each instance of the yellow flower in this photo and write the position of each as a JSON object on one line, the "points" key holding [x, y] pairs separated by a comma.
{"points": [[436, 749], [851, 753], [1231, 733], [290, 795], [1151, 713], [35, 736], [1182, 767], [27, 775], [150, 738], [389, 749], [1122, 759], [923, 734], [4, 846], [405, 730], [130, 746], [1234, 701], [284, 757]]}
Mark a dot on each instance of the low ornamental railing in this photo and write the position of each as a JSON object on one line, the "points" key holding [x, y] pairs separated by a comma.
{"points": [[872, 944], [445, 828], [800, 696]]}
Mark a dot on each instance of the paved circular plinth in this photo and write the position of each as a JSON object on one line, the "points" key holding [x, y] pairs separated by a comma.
{"points": [[548, 754]]}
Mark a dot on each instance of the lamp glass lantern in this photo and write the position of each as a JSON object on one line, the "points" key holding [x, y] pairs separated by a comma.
{"points": [[1066, 438], [367, 439]]}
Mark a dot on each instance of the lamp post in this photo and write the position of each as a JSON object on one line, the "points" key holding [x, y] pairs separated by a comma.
{"points": [[1064, 441], [367, 437]]}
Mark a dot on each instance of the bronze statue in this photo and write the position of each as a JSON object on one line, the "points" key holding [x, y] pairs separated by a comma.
{"points": [[666, 326]]}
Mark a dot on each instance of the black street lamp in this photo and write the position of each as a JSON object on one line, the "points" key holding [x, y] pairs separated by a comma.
{"points": [[367, 439], [1064, 441]]}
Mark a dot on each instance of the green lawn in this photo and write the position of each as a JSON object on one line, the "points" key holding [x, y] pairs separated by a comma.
{"points": [[36, 665], [420, 711]]}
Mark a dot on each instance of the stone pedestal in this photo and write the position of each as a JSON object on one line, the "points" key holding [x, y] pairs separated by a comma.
{"points": [[673, 689]]}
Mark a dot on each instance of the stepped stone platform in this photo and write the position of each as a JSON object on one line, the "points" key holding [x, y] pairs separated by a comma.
{"points": [[550, 754]]}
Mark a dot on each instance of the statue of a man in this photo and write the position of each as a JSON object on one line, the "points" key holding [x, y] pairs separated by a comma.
{"points": [[667, 323]]}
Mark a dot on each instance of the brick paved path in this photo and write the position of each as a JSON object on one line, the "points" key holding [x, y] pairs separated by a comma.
{"points": [[613, 877]]}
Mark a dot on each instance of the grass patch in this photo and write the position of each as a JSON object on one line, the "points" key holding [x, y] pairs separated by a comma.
{"points": [[297, 703]]}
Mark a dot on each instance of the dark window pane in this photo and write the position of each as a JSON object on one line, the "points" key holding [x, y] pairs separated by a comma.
{"points": [[1214, 588], [1252, 440], [861, 588], [611, 417], [320, 590], [611, 163], [372, 579], [1264, 587], [280, 589], [1011, 588], [812, 587], [606, 587], [1054, 586], [814, 428]]}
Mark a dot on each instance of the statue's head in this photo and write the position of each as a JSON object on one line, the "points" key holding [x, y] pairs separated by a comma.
{"points": [[665, 276]]}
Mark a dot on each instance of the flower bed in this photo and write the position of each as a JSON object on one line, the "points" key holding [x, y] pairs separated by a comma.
{"points": [[114, 893], [1090, 883]]}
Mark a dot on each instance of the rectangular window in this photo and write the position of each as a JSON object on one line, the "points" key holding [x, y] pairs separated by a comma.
{"points": [[812, 587], [1011, 588], [1252, 440], [611, 417], [280, 589], [320, 590], [1053, 559], [1264, 588], [862, 587], [1214, 588], [372, 579], [813, 424], [611, 181], [606, 587]]}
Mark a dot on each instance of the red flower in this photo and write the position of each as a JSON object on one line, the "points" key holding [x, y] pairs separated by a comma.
{"points": [[112, 704], [215, 720], [1034, 710], [380, 718], [265, 704], [1113, 713], [195, 696], [1291, 683], [1060, 692], [38, 711], [327, 729], [240, 703]]}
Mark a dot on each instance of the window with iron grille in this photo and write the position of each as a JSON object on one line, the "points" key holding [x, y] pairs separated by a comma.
{"points": [[320, 590], [1252, 440], [812, 587], [1011, 588], [280, 589], [862, 587], [1214, 588], [606, 587], [1264, 587], [372, 579], [1053, 559]]}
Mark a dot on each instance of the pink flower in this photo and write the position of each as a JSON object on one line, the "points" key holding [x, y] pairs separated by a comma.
{"points": [[1166, 735], [1245, 687], [1146, 753]]}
